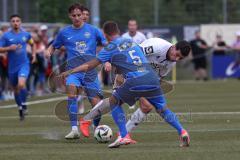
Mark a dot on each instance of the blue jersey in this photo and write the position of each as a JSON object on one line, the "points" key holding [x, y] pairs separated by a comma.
{"points": [[80, 43], [127, 56], [16, 58]]}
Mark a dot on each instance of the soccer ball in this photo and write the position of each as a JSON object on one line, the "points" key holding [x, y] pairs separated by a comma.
{"points": [[103, 134]]}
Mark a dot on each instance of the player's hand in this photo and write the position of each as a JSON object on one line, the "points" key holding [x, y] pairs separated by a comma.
{"points": [[34, 58], [107, 67], [48, 52], [64, 74], [14, 47]]}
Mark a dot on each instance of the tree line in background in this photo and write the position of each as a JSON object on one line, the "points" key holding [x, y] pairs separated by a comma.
{"points": [[170, 12]]}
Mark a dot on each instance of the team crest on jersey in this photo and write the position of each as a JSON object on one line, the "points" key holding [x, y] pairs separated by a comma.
{"points": [[87, 35], [81, 46], [148, 50], [24, 39]]}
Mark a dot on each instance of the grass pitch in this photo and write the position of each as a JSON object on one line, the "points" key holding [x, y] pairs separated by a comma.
{"points": [[210, 111]]}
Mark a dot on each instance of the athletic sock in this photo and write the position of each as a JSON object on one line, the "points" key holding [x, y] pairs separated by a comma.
{"points": [[172, 119], [73, 111], [137, 117], [119, 119], [18, 99], [23, 94], [99, 109]]}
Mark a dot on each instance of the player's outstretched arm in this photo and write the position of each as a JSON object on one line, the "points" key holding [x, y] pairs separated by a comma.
{"points": [[13, 47], [82, 68]]}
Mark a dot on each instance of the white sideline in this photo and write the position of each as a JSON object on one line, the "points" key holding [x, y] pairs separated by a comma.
{"points": [[43, 101], [179, 114], [36, 102]]}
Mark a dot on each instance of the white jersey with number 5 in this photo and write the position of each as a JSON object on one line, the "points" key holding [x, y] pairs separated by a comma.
{"points": [[155, 49]]}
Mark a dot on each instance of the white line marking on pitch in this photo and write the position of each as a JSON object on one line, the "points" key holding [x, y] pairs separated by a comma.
{"points": [[36, 102], [179, 114], [43, 101]]}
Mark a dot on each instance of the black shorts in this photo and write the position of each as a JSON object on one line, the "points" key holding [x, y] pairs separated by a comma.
{"points": [[200, 63]]}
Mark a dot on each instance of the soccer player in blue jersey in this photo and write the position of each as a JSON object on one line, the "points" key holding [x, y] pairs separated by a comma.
{"points": [[80, 41], [14, 42], [140, 80]]}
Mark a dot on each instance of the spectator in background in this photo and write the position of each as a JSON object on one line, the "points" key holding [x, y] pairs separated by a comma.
{"points": [[236, 48], [236, 44], [43, 34], [199, 48], [133, 32], [219, 46], [41, 65]]}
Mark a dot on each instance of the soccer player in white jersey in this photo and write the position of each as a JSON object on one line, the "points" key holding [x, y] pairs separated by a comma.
{"points": [[163, 56]]}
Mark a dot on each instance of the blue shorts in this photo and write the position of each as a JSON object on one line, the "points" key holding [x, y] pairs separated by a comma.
{"points": [[92, 88], [158, 102], [23, 71], [134, 88]]}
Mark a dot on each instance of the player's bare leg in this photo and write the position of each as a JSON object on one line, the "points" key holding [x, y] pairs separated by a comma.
{"points": [[23, 93], [20, 97]]}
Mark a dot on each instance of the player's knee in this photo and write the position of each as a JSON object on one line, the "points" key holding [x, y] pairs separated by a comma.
{"points": [[72, 91], [145, 109], [145, 105], [21, 86]]}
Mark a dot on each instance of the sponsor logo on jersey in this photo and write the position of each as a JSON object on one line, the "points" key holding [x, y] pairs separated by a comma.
{"points": [[24, 39], [87, 35], [148, 50]]}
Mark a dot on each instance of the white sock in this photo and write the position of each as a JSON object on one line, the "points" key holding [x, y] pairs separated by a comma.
{"points": [[137, 117], [99, 109], [74, 128]]}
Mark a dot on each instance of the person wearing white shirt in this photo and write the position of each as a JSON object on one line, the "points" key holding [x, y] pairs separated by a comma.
{"points": [[133, 32]]}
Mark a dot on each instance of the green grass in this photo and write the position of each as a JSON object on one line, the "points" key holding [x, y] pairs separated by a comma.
{"points": [[215, 136]]}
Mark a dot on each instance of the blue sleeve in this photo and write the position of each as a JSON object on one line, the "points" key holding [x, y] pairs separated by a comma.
{"points": [[28, 36], [58, 41], [106, 53], [3, 41], [100, 37]]}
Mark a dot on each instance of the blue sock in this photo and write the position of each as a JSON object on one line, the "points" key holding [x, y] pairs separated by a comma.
{"points": [[119, 118], [23, 94], [73, 110], [18, 99], [172, 119]]}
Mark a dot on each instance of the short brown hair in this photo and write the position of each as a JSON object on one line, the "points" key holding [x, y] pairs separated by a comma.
{"points": [[110, 28], [75, 6]]}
